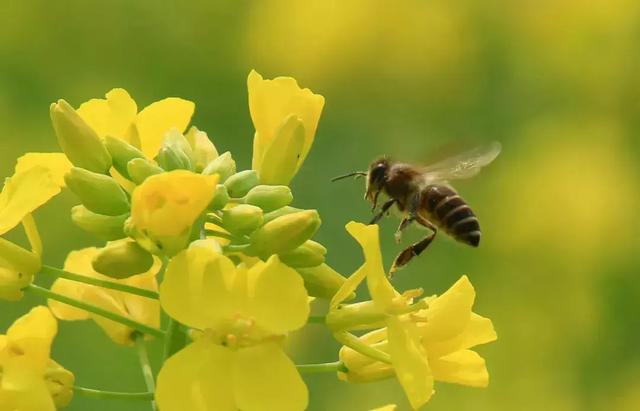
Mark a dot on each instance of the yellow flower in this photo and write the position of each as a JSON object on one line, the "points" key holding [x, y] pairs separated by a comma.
{"points": [[244, 313], [25, 363], [118, 116], [425, 344], [28, 189], [166, 205], [285, 118], [140, 309]]}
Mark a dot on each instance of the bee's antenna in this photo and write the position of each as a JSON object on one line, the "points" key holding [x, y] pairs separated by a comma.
{"points": [[355, 173]]}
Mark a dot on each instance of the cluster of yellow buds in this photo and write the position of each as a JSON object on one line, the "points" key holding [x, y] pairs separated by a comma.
{"points": [[222, 252]]}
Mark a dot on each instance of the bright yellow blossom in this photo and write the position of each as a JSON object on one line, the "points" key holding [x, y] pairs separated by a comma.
{"points": [[118, 116], [25, 362], [244, 313], [165, 206], [285, 118], [428, 344], [24, 192], [134, 307]]}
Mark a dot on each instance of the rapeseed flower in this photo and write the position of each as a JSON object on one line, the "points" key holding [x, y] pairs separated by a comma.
{"points": [[244, 315]]}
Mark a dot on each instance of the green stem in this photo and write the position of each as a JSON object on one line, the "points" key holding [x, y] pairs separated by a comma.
{"points": [[324, 367], [143, 328], [317, 319], [115, 395], [113, 285], [147, 372], [176, 339], [355, 344]]}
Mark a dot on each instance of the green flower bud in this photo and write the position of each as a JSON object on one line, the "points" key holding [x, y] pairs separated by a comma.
{"points": [[240, 183], [105, 227], [269, 198], [121, 153], [242, 219], [98, 192], [14, 257], [141, 168], [59, 382], [220, 199], [79, 142], [224, 166], [280, 212], [204, 152], [122, 259], [175, 152], [321, 281], [309, 254], [285, 233]]}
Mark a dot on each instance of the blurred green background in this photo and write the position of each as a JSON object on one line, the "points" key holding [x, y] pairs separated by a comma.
{"points": [[556, 81]]}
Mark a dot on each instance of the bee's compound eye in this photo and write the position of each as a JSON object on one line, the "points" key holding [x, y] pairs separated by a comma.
{"points": [[378, 172]]}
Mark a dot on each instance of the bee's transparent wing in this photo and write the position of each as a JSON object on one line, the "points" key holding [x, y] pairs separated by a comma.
{"points": [[464, 165]]}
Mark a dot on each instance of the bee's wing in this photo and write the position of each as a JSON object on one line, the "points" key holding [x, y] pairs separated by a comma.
{"points": [[463, 165]]}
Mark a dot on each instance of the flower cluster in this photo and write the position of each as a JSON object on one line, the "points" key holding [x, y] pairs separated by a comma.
{"points": [[222, 252]]}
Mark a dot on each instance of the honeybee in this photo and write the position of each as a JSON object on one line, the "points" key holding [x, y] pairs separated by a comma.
{"points": [[423, 195]]}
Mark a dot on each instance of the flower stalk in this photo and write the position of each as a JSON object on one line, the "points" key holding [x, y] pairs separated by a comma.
{"points": [[145, 365], [113, 395]]}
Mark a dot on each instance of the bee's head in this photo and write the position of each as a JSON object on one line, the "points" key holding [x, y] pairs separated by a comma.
{"points": [[376, 178]]}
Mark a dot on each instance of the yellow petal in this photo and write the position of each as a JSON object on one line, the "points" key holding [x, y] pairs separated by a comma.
{"points": [[448, 315], [271, 102], [111, 116], [23, 193], [70, 289], [277, 298], [169, 203], [36, 398], [464, 367], [57, 163], [195, 289], [389, 407], [197, 378], [119, 333], [478, 331], [348, 287], [141, 309], [410, 362], [157, 118], [381, 290], [265, 379], [28, 346]]}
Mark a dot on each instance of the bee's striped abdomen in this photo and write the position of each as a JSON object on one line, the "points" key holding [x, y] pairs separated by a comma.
{"points": [[451, 213]]}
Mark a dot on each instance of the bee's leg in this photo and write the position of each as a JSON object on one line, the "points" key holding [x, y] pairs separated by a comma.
{"points": [[386, 206], [415, 249], [414, 204]]}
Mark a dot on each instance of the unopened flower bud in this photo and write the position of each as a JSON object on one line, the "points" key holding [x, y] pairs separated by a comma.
{"points": [[321, 281], [285, 233], [98, 192], [141, 168], [122, 259], [175, 152], [240, 183], [17, 267], [220, 199], [269, 198], [59, 383], [121, 153], [242, 219], [361, 369], [309, 254], [224, 166], [204, 152], [282, 155], [79, 142], [105, 227], [12, 282], [280, 212]]}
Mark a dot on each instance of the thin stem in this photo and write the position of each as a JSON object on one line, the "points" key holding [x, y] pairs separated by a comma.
{"points": [[354, 343], [147, 372], [113, 285], [175, 340], [115, 395], [143, 328], [324, 367], [317, 319]]}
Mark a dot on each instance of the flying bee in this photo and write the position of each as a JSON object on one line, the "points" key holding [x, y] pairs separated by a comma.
{"points": [[423, 195]]}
